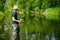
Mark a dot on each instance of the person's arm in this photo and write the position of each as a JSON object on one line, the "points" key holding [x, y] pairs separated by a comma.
{"points": [[15, 19]]}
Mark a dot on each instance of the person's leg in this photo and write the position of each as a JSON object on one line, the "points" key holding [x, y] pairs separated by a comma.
{"points": [[18, 29], [13, 31], [17, 32]]}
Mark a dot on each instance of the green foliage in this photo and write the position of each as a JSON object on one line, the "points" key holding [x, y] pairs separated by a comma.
{"points": [[52, 13], [34, 19], [1, 5], [1, 14]]}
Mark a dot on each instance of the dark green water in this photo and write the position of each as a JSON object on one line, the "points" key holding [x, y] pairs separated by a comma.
{"points": [[34, 36], [50, 31]]}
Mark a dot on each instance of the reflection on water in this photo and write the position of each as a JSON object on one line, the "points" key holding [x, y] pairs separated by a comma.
{"points": [[53, 37], [24, 35], [37, 37], [47, 37], [34, 36]]}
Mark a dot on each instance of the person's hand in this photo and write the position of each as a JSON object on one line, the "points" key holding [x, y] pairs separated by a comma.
{"points": [[21, 20], [18, 20]]}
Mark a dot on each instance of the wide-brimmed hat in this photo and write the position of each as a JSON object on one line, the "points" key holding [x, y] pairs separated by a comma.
{"points": [[15, 7]]}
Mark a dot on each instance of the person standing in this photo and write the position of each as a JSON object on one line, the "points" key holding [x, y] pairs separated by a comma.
{"points": [[15, 21]]}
